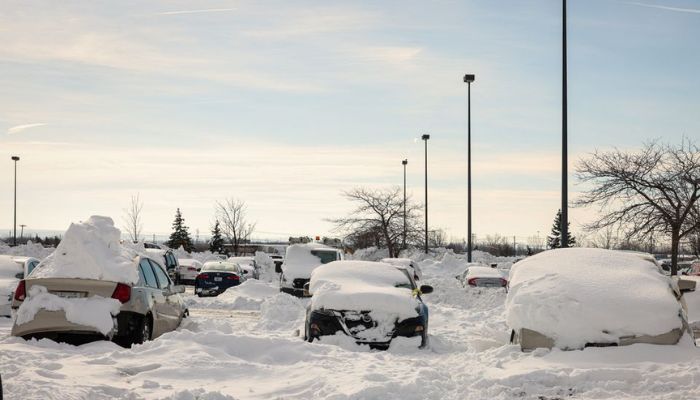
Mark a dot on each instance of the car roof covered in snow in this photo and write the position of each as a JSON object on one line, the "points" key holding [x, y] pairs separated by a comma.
{"points": [[299, 262], [362, 286], [483, 272], [577, 296], [91, 250]]}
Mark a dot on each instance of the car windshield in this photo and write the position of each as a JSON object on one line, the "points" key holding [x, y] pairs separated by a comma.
{"points": [[407, 283], [325, 256], [225, 267]]}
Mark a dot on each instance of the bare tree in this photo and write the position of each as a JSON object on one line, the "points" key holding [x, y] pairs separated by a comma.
{"points": [[437, 238], [378, 219], [652, 192], [133, 223], [232, 215]]}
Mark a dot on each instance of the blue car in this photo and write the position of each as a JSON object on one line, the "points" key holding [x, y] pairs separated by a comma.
{"points": [[217, 276]]}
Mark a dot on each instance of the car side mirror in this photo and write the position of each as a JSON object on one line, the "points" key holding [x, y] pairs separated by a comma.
{"points": [[425, 289], [686, 285], [306, 289], [178, 289]]}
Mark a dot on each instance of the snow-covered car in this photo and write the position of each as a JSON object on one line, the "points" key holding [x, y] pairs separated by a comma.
{"points": [[410, 265], [371, 302], [217, 276], [12, 270], [167, 258], [188, 270], [478, 276], [93, 286], [300, 261], [248, 266], [575, 298]]}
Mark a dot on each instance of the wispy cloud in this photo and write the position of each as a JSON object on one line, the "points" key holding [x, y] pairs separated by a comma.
{"points": [[677, 9], [20, 128], [208, 10]]}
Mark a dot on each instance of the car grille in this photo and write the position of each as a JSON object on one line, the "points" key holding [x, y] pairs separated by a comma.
{"points": [[358, 321], [299, 283], [488, 282]]}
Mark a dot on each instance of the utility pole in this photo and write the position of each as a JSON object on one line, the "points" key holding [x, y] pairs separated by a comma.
{"points": [[14, 240], [425, 139], [21, 232]]}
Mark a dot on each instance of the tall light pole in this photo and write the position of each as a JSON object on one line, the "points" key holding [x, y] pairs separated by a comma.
{"points": [[425, 139], [564, 143], [469, 78], [404, 162], [14, 235]]}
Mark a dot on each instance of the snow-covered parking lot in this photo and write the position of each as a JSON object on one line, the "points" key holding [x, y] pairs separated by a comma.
{"points": [[245, 344]]}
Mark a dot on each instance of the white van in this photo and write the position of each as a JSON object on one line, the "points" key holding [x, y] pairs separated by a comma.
{"points": [[300, 261]]}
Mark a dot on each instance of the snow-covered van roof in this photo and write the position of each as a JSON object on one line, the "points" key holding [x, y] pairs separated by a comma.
{"points": [[91, 250], [300, 262], [363, 286], [577, 296]]}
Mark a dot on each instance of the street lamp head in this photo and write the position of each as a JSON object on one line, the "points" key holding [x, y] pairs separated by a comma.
{"points": [[469, 78], [404, 162], [425, 137], [15, 158]]}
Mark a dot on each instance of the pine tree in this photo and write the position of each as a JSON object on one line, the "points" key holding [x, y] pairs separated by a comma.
{"points": [[554, 238], [216, 245], [180, 235]]}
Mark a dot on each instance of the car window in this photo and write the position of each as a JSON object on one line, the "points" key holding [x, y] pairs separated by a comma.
{"points": [[408, 283], [163, 281], [146, 272], [31, 266], [325, 256]]}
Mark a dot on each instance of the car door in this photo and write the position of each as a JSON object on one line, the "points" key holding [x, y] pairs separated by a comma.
{"points": [[155, 296], [170, 307]]}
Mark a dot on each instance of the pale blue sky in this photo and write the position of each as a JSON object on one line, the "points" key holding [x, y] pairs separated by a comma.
{"points": [[284, 104]]}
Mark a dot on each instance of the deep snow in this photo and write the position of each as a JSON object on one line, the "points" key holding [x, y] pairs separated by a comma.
{"points": [[233, 349]]}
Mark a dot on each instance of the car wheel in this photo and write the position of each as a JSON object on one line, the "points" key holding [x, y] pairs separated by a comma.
{"points": [[143, 332]]}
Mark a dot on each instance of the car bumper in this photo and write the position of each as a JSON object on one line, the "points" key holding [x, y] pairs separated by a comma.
{"points": [[321, 324], [46, 322]]}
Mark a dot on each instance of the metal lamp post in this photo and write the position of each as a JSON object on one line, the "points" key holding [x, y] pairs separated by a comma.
{"points": [[468, 79], [404, 162], [14, 232], [425, 139], [564, 143]]}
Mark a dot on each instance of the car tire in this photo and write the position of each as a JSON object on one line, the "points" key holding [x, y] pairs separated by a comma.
{"points": [[144, 330]]}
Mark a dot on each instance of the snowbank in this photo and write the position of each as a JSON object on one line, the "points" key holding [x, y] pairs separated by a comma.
{"points": [[94, 311], [577, 296], [249, 295], [362, 286], [30, 249], [91, 250]]}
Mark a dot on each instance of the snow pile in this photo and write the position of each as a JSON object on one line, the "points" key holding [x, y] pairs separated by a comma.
{"points": [[692, 301], [267, 267], [369, 254], [249, 295], [577, 296], [299, 262], [95, 311], [281, 312], [30, 249], [91, 250], [362, 286]]}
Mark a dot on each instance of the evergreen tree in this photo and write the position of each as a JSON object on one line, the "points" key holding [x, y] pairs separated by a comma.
{"points": [[216, 245], [554, 238], [180, 235]]}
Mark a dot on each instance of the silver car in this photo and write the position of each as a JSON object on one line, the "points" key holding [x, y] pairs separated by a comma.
{"points": [[150, 307]]}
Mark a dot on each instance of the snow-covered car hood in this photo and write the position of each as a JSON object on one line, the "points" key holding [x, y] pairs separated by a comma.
{"points": [[362, 286], [577, 296]]}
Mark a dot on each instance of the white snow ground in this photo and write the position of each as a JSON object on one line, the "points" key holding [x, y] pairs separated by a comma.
{"points": [[243, 345]]}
